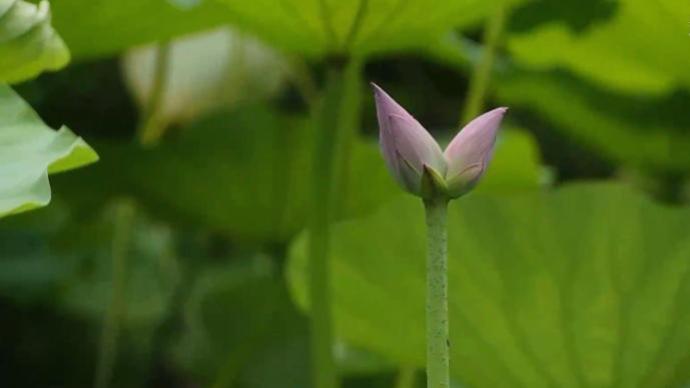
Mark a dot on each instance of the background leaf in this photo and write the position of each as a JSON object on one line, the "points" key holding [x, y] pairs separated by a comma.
{"points": [[650, 133], [56, 264], [299, 26], [205, 71], [67, 259], [241, 328], [635, 51], [28, 43], [107, 27], [29, 151], [355, 26], [582, 286]]}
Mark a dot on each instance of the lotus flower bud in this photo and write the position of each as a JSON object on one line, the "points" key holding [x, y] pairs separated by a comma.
{"points": [[406, 146], [416, 160]]}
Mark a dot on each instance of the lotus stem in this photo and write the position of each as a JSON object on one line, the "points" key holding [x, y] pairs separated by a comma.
{"points": [[335, 119], [437, 342]]}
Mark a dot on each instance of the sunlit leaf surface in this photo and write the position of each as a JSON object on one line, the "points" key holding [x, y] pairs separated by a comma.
{"points": [[28, 43], [29, 150], [636, 51], [355, 26], [308, 27], [583, 286]]}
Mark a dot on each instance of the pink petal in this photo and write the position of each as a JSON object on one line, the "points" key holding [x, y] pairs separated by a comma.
{"points": [[405, 144], [472, 148]]}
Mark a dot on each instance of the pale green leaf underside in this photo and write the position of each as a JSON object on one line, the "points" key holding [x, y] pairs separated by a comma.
{"points": [[584, 286], [28, 43], [642, 49], [356, 26], [29, 150], [310, 27]]}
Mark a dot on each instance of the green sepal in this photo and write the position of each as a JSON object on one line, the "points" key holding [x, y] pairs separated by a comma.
{"points": [[433, 184]]}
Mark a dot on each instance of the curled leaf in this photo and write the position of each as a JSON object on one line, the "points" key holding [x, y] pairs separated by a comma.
{"points": [[28, 42], [29, 150]]}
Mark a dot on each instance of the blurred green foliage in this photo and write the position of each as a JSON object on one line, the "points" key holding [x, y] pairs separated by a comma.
{"points": [[635, 51], [651, 134], [584, 285]]}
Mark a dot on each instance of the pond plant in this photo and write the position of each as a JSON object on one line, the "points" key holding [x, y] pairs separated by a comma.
{"points": [[419, 166]]}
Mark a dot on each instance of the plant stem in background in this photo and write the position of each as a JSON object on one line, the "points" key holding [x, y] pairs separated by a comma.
{"points": [[150, 131], [356, 25], [479, 81], [406, 377], [437, 343], [335, 119], [302, 80], [122, 225]]}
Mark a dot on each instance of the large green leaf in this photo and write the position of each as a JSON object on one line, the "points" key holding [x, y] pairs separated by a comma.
{"points": [[105, 27], [28, 43], [642, 49], [308, 27], [29, 150], [358, 26], [583, 286]]}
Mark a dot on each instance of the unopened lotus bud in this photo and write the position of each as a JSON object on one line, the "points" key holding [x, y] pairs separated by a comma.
{"points": [[406, 146], [415, 158]]}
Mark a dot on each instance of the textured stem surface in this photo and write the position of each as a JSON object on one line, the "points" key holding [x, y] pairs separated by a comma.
{"points": [[437, 343]]}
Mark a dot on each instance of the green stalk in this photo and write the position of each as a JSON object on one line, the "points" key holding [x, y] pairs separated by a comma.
{"points": [[406, 377], [150, 130], [479, 83], [124, 214], [437, 343], [334, 123]]}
